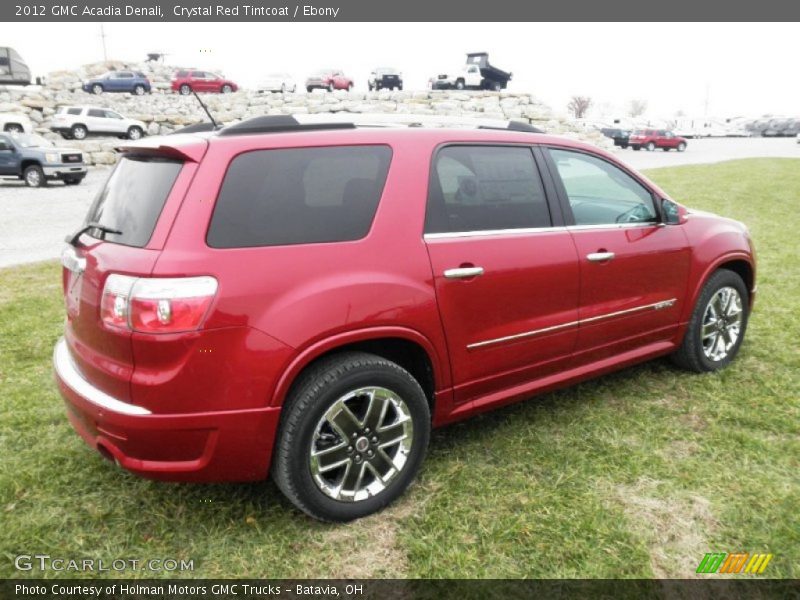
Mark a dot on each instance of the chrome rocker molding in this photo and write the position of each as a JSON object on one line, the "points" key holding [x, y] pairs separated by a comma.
{"points": [[71, 377], [654, 306]]}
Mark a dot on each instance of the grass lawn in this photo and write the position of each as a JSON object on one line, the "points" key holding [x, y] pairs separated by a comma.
{"points": [[637, 474]]}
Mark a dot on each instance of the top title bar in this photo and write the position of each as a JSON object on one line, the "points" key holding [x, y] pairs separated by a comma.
{"points": [[398, 11]]}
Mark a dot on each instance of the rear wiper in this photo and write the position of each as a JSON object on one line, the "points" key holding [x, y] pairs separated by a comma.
{"points": [[72, 239]]}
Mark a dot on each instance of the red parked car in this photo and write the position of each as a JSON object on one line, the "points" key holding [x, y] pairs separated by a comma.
{"points": [[650, 139], [329, 79], [185, 81], [309, 300]]}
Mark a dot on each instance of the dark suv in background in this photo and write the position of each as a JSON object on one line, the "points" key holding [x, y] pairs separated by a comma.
{"points": [[620, 136]]}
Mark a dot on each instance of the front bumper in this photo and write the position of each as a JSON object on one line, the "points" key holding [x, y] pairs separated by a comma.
{"points": [[64, 171], [199, 447]]}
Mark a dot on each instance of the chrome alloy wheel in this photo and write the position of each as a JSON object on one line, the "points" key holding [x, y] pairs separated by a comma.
{"points": [[33, 178], [722, 323], [361, 444]]}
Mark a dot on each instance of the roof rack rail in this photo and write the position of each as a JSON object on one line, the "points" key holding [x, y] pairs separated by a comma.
{"points": [[278, 124], [341, 120], [196, 128], [415, 120]]}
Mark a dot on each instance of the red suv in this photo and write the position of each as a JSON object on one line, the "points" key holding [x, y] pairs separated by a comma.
{"points": [[650, 139], [309, 300], [185, 81]]}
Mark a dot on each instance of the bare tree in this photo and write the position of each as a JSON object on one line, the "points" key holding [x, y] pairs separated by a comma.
{"points": [[637, 108], [579, 105]]}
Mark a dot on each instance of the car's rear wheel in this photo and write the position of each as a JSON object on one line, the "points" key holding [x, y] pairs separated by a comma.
{"points": [[353, 434], [78, 132], [309, 89], [138, 90], [717, 326], [185, 89], [226, 89], [460, 84], [34, 176], [637, 148], [650, 146], [681, 147], [331, 87], [97, 89], [135, 133]]}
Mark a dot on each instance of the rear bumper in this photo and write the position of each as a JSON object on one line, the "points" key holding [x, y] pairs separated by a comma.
{"points": [[199, 447]]}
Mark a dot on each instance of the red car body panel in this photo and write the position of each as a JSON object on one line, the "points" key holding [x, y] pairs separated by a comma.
{"points": [[201, 84], [213, 397]]}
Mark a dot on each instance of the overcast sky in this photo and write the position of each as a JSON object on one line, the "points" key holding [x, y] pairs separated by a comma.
{"points": [[736, 69]]}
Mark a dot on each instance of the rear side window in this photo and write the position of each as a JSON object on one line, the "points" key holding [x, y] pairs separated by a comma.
{"points": [[133, 198], [484, 188], [299, 196]]}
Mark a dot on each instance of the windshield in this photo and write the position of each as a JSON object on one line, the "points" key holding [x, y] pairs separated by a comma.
{"points": [[385, 71], [132, 199], [28, 140]]}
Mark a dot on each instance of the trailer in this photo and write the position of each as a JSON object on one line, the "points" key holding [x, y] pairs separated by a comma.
{"points": [[13, 70]]}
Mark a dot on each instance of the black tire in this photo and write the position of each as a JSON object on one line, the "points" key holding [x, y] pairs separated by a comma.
{"points": [[34, 176], [691, 354], [13, 128], [460, 85], [331, 87], [138, 90], [97, 89], [135, 133], [78, 132], [650, 146], [497, 86], [637, 148], [185, 89], [400, 87], [225, 89], [681, 147], [665, 149], [309, 89], [312, 395]]}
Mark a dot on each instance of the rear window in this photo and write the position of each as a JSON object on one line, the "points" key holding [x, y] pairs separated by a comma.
{"points": [[299, 196], [133, 198]]}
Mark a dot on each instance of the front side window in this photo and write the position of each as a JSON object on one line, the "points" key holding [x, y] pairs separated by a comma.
{"points": [[485, 188], [96, 112], [600, 193], [299, 196]]}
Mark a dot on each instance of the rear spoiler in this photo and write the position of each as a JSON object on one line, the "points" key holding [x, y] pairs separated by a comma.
{"points": [[190, 147]]}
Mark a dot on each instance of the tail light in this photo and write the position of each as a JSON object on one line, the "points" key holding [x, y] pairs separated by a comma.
{"points": [[156, 305]]}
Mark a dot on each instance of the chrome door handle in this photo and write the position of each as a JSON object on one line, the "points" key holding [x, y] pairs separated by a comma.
{"points": [[600, 256], [463, 272]]}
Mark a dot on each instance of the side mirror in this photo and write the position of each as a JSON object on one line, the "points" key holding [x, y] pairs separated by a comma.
{"points": [[672, 212]]}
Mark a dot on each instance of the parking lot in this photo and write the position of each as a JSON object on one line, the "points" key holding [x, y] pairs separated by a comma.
{"points": [[34, 222]]}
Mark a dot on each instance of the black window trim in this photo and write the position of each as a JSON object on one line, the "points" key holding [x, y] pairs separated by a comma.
{"points": [[311, 146], [554, 210], [563, 198]]}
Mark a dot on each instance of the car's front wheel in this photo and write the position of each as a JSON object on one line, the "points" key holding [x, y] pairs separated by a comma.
{"points": [[681, 147], [650, 146], [97, 89], [226, 89], [353, 434], [34, 176], [716, 328], [185, 89]]}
